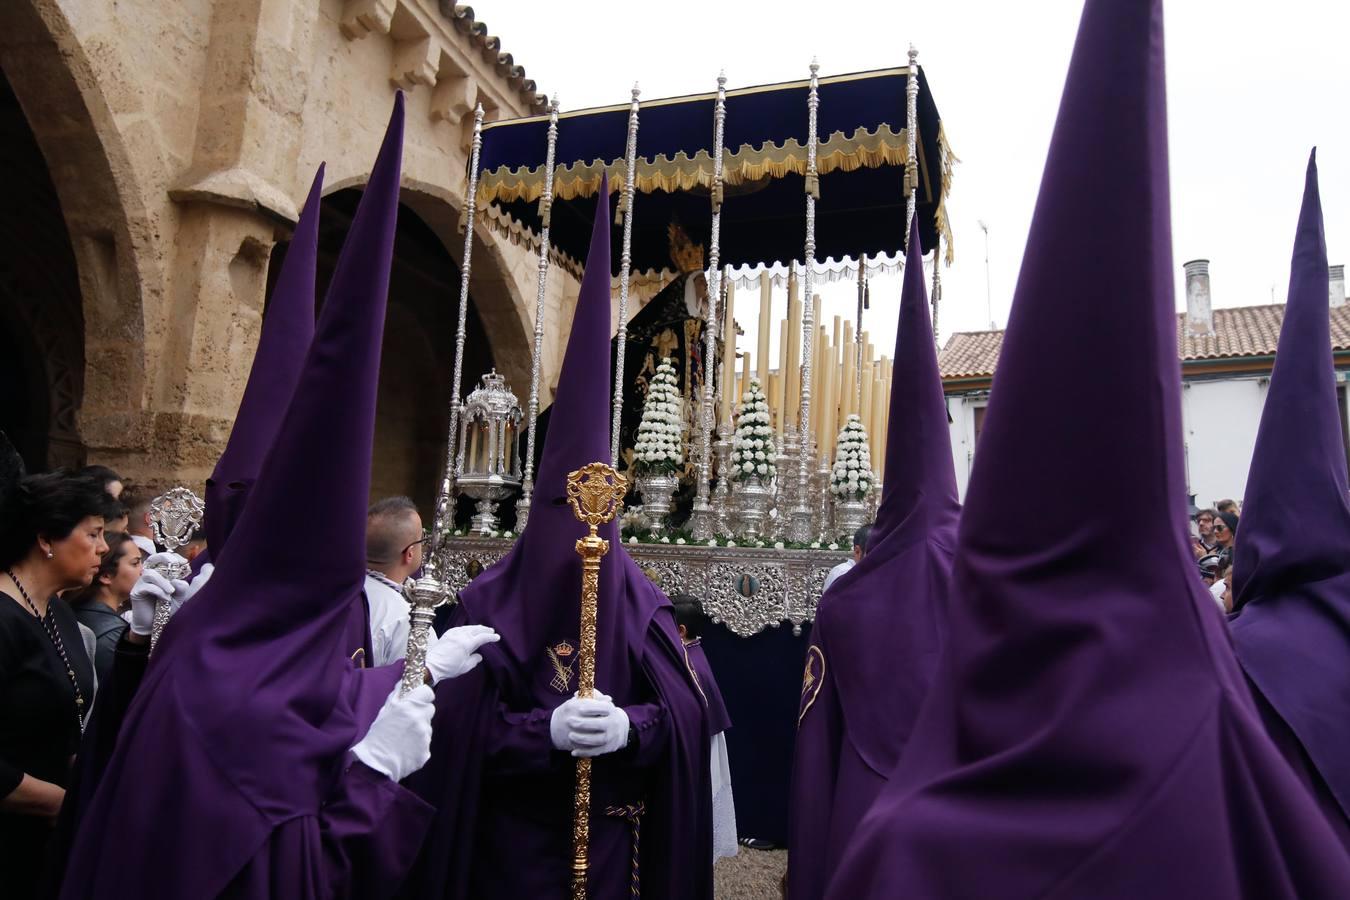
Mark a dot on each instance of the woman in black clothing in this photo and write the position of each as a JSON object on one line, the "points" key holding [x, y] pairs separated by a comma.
{"points": [[51, 540], [99, 606]]}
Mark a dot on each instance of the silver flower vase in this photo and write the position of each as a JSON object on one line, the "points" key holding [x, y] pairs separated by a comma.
{"points": [[752, 498], [657, 490], [849, 516]]}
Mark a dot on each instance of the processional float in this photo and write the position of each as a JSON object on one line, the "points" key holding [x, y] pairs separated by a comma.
{"points": [[767, 178], [784, 184]]}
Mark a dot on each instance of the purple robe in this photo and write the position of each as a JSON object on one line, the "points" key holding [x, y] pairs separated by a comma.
{"points": [[231, 775], [1291, 564], [878, 630], [719, 720], [1089, 732], [503, 793]]}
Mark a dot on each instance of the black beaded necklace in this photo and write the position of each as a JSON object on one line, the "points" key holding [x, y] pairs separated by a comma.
{"points": [[49, 625]]}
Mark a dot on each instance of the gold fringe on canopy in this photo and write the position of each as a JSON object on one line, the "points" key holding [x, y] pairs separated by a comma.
{"points": [[838, 152], [946, 164], [748, 164]]}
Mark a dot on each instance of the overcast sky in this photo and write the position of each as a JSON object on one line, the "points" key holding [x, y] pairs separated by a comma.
{"points": [[1251, 88]]}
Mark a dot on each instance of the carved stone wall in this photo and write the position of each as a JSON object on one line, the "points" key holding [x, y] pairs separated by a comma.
{"points": [[180, 141]]}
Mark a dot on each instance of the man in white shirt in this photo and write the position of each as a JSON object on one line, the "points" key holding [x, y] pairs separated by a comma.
{"points": [[138, 525], [394, 546], [859, 548]]}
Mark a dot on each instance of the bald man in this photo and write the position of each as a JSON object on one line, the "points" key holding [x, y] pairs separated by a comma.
{"points": [[394, 542]]}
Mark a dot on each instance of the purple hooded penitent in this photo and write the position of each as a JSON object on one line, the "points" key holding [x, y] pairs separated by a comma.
{"points": [[875, 642], [1291, 565], [503, 793], [287, 330], [231, 776], [1089, 733]]}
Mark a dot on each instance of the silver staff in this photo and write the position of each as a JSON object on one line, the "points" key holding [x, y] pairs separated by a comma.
{"points": [[546, 215], [454, 457], [702, 518], [424, 596], [625, 265], [799, 528], [174, 516]]}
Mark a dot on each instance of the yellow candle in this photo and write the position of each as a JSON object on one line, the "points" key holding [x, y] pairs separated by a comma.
{"points": [[765, 325], [865, 406], [728, 385], [880, 402], [818, 393], [784, 375], [879, 405], [793, 397], [826, 394], [771, 395], [745, 377], [847, 397]]}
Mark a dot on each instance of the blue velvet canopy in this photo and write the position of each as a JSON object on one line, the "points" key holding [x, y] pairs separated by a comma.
{"points": [[861, 158]]}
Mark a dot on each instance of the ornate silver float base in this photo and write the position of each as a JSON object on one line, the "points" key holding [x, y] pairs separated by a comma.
{"points": [[849, 516], [752, 506], [701, 520], [484, 520], [657, 491], [746, 589]]}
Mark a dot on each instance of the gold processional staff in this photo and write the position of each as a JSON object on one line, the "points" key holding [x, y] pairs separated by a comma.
{"points": [[595, 492]]}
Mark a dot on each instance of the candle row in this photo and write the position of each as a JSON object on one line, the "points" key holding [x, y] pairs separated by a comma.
{"points": [[842, 384]]}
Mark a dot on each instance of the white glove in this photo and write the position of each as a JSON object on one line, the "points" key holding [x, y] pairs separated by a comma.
{"points": [[183, 592], [456, 652], [399, 741], [589, 727], [150, 588]]}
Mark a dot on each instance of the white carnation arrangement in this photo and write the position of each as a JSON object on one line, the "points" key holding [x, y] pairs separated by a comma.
{"points": [[660, 444], [851, 477], [752, 450]]}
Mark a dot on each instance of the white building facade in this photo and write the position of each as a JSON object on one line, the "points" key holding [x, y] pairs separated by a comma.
{"points": [[1226, 358]]}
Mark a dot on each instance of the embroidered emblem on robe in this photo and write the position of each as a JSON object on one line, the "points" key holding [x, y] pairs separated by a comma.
{"points": [[812, 679], [560, 655]]}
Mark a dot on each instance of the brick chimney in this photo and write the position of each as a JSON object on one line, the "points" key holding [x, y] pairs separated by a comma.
{"points": [[1337, 287], [1199, 313]]}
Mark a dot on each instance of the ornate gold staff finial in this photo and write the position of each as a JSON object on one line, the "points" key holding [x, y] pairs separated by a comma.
{"points": [[595, 492]]}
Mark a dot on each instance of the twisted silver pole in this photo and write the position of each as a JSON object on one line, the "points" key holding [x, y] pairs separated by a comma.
{"points": [[857, 339], [454, 452], [536, 361], [625, 265], [911, 141], [937, 282], [800, 526], [701, 524]]}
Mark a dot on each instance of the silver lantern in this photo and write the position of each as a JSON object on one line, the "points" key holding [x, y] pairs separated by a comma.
{"points": [[488, 429]]}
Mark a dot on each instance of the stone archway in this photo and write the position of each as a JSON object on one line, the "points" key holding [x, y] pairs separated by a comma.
{"points": [[94, 343], [40, 310], [417, 362]]}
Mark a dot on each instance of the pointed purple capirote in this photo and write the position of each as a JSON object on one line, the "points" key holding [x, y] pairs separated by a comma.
{"points": [[1291, 565], [1089, 732], [502, 791], [287, 330], [231, 775], [878, 630]]}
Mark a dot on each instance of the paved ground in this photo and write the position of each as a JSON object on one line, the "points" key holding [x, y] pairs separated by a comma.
{"points": [[750, 875]]}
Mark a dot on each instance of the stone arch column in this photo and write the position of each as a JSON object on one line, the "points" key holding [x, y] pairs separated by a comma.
{"points": [[109, 229]]}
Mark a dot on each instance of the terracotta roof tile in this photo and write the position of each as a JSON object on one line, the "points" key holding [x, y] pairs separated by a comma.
{"points": [[491, 47], [1239, 332]]}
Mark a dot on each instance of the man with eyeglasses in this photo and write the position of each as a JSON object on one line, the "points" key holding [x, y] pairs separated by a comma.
{"points": [[394, 545]]}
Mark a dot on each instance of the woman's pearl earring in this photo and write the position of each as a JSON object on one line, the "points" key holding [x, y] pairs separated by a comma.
{"points": [[49, 554]]}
